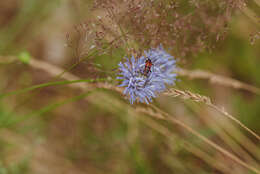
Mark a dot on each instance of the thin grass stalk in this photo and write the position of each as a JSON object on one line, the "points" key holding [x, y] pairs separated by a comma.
{"points": [[234, 132], [185, 144], [217, 79], [206, 100], [242, 139], [192, 74], [114, 105], [217, 126], [165, 116], [53, 70]]}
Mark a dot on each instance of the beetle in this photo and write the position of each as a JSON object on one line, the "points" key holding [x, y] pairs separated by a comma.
{"points": [[148, 65]]}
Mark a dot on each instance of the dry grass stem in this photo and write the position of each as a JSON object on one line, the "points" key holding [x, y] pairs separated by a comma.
{"points": [[54, 70], [225, 130], [218, 79], [165, 116], [192, 74], [206, 100], [185, 144]]}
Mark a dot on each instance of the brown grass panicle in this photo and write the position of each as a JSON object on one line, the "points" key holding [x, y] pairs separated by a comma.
{"points": [[92, 35], [151, 23]]}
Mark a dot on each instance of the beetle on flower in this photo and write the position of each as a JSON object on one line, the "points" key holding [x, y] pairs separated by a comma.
{"points": [[143, 87]]}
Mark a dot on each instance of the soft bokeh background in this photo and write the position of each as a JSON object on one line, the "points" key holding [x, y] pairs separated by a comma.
{"points": [[56, 130]]}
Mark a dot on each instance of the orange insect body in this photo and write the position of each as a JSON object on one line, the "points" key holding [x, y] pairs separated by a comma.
{"points": [[148, 65]]}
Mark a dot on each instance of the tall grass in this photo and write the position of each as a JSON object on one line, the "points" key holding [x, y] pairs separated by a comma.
{"points": [[71, 116]]}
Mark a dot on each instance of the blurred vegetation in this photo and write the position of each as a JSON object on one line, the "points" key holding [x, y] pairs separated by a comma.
{"points": [[55, 128]]}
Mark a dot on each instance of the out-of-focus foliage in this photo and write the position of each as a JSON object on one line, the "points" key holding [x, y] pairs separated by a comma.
{"points": [[62, 129]]}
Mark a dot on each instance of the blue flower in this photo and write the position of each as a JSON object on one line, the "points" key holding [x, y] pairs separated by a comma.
{"points": [[145, 87], [163, 63]]}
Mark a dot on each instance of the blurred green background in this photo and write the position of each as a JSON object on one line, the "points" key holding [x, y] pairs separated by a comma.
{"points": [[59, 129]]}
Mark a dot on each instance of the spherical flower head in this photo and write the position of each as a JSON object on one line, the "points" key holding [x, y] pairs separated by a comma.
{"points": [[145, 87], [163, 63]]}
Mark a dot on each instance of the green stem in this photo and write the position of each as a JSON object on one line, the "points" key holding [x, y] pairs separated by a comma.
{"points": [[50, 84]]}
